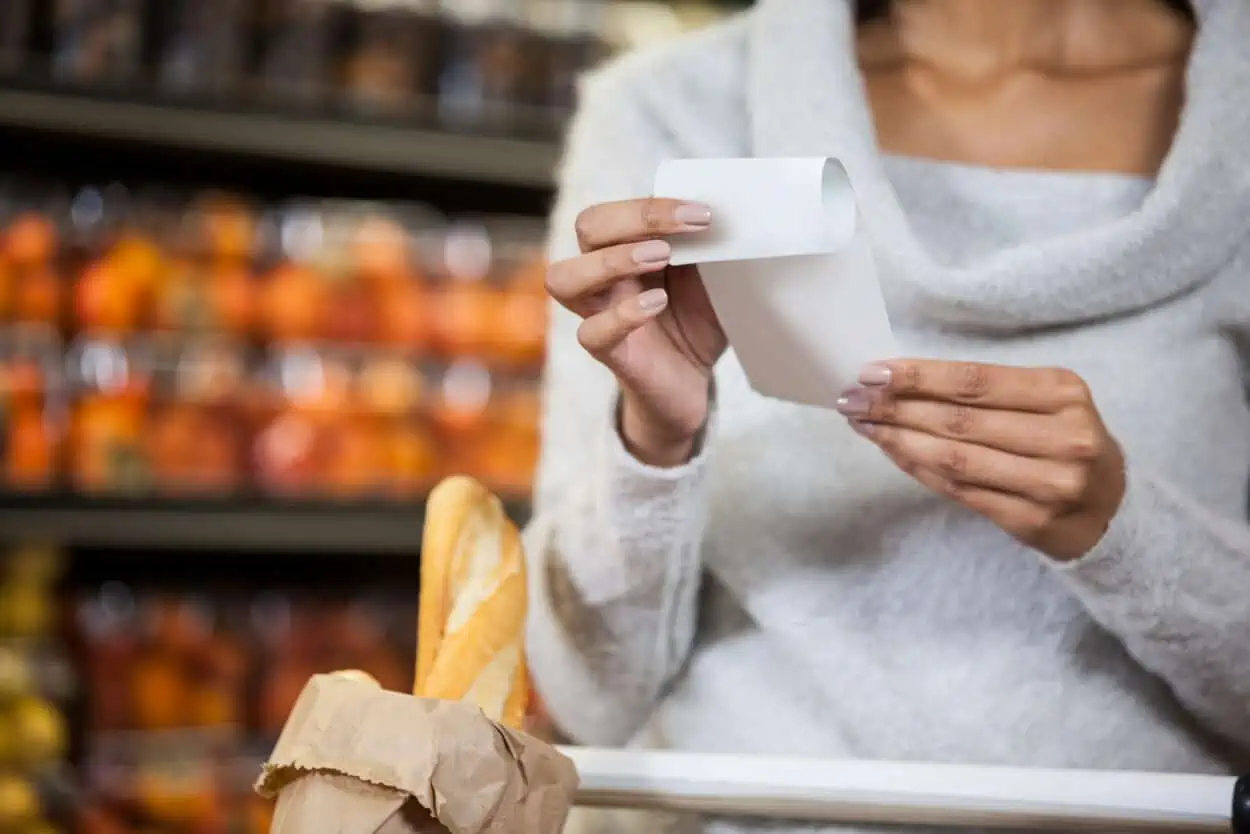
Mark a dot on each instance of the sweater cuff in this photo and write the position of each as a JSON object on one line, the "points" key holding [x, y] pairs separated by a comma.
{"points": [[655, 515], [626, 465], [1138, 563], [632, 479]]}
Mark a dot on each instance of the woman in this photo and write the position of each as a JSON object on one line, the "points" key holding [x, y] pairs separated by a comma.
{"points": [[1031, 550]]}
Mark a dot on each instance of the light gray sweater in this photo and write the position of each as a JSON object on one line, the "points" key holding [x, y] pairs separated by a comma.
{"points": [[788, 591]]}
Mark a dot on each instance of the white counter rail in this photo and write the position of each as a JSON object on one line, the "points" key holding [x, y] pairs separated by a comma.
{"points": [[908, 793]]}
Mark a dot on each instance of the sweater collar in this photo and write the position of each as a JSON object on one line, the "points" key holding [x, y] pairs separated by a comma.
{"points": [[806, 98]]}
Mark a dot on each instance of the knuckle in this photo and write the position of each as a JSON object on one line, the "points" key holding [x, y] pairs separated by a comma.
{"points": [[1034, 521], [909, 465], [954, 462], [652, 214], [1079, 483], [972, 380], [585, 337], [884, 409], [911, 378], [888, 441], [1069, 386], [959, 420], [1067, 485], [1084, 443], [599, 332], [551, 280], [614, 263], [584, 226]]}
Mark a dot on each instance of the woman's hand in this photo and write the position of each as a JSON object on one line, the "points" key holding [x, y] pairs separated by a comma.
{"points": [[651, 324], [1025, 447]]}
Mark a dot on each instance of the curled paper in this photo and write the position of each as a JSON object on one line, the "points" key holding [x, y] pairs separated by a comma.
{"points": [[788, 268], [356, 759]]}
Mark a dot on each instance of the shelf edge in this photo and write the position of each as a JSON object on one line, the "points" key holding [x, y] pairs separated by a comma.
{"points": [[400, 150], [382, 531]]}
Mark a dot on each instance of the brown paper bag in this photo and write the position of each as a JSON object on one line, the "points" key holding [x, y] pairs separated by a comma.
{"points": [[357, 759]]}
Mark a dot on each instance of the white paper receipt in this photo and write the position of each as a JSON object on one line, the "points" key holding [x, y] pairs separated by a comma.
{"points": [[788, 269]]}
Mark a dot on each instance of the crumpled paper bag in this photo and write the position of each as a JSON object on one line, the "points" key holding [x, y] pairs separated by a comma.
{"points": [[357, 759]]}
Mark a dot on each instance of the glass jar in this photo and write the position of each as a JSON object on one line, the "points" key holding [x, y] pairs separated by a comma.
{"points": [[202, 46], [194, 435], [490, 300], [351, 310], [97, 216], [15, 28], [34, 253], [107, 633], [391, 56], [391, 391], [518, 331], [109, 386], [464, 299], [568, 43], [307, 395], [222, 228], [491, 74], [460, 412], [97, 41], [293, 296], [387, 244], [505, 456], [296, 42], [32, 407], [207, 284], [127, 264]]}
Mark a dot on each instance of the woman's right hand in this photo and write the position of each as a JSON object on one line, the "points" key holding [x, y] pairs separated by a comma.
{"points": [[650, 323]]}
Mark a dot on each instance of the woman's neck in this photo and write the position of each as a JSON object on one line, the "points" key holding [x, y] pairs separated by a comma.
{"points": [[1060, 84], [989, 38]]}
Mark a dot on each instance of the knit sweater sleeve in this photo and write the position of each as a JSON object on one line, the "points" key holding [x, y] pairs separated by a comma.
{"points": [[613, 544], [1172, 579]]}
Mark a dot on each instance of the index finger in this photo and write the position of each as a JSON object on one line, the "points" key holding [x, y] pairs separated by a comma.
{"points": [[1040, 390], [629, 221]]}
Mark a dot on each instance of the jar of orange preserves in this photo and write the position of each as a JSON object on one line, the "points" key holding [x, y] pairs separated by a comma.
{"points": [[32, 407], [109, 391], [194, 436]]}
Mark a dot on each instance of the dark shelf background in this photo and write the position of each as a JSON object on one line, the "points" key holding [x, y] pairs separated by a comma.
{"points": [[213, 526], [272, 154]]}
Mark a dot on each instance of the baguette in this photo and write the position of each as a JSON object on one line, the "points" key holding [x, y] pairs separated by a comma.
{"points": [[471, 620]]}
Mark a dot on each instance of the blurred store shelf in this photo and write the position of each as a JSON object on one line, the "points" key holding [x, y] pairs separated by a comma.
{"points": [[359, 144], [240, 526]]}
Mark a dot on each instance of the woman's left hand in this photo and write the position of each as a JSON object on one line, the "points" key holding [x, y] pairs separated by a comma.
{"points": [[1024, 447]]}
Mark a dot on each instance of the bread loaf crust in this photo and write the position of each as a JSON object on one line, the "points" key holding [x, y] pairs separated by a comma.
{"points": [[471, 620]]}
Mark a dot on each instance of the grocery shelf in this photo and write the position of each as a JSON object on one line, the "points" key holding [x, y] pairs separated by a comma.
{"points": [[244, 526], [387, 147]]}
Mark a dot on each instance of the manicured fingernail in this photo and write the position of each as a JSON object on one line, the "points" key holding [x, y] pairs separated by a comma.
{"points": [[653, 301], [854, 403], [862, 428], [874, 374], [651, 253], [693, 214]]}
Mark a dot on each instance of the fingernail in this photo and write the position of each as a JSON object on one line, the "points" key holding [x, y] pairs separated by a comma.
{"points": [[854, 403], [874, 374], [652, 252], [653, 301], [862, 428], [693, 214]]}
